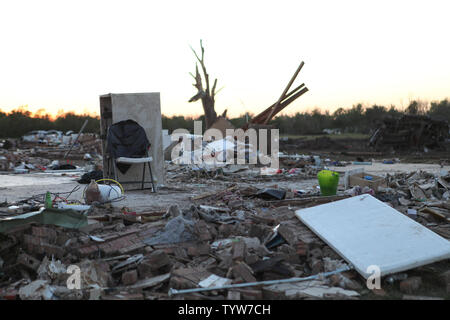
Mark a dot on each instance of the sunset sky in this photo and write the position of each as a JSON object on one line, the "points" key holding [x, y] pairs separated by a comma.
{"points": [[64, 54]]}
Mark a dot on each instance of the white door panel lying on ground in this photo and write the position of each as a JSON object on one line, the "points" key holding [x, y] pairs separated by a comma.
{"points": [[366, 231]]}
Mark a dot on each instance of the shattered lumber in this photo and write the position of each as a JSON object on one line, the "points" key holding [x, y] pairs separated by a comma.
{"points": [[283, 95], [282, 102]]}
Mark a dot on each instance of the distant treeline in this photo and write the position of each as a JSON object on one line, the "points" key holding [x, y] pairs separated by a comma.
{"points": [[358, 119], [19, 122]]}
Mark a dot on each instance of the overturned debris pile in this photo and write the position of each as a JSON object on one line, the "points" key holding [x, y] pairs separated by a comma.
{"points": [[286, 98], [31, 157], [411, 131]]}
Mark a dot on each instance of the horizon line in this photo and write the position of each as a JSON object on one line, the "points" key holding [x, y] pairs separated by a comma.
{"points": [[40, 112]]}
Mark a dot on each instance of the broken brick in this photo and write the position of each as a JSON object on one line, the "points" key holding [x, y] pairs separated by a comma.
{"points": [[258, 231], [127, 243], [87, 251], [28, 261], [203, 249], [198, 250], [157, 259], [316, 266], [134, 248], [302, 249], [145, 270], [185, 278], [250, 294], [262, 251], [38, 245], [315, 260], [44, 232], [244, 272], [266, 265], [225, 230], [129, 277], [288, 234], [180, 252], [193, 251], [410, 285], [32, 243], [202, 230], [226, 261], [251, 258], [239, 250], [290, 254], [379, 292], [51, 249], [181, 283]]}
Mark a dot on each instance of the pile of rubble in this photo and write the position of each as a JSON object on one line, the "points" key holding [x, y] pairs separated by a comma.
{"points": [[31, 157], [219, 246], [122, 255], [57, 138], [241, 239], [422, 196], [411, 131]]}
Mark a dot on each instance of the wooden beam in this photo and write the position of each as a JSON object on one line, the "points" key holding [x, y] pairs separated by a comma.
{"points": [[263, 115], [285, 91]]}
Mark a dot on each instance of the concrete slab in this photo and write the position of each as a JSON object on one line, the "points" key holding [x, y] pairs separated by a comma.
{"points": [[20, 187], [30, 180]]}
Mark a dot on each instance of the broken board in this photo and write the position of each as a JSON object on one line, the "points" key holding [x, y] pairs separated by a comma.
{"points": [[365, 232]]}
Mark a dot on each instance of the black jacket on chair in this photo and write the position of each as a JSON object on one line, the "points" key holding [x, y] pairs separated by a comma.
{"points": [[127, 139]]}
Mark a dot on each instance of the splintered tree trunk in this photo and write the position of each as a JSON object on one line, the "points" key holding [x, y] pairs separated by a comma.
{"points": [[206, 94], [210, 112]]}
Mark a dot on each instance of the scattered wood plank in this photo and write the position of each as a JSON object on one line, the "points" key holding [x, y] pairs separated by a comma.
{"points": [[306, 201]]}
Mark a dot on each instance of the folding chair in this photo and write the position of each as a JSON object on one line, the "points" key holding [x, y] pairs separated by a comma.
{"points": [[114, 161]]}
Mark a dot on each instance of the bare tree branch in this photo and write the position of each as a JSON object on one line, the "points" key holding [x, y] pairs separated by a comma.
{"points": [[204, 94]]}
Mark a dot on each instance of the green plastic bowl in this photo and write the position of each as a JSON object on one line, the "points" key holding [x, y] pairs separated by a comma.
{"points": [[328, 182]]}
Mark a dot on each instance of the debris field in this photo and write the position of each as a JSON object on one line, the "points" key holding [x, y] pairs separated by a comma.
{"points": [[226, 233]]}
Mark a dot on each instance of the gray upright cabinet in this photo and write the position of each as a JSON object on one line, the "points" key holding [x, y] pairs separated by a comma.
{"points": [[145, 109]]}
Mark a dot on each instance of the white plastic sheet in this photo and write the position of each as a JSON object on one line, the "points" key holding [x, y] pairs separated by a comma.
{"points": [[367, 232]]}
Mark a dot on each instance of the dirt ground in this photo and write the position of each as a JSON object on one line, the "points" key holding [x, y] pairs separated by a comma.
{"points": [[19, 187]]}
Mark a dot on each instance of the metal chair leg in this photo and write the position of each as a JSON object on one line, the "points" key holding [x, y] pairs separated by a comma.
{"points": [[151, 176], [143, 176]]}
